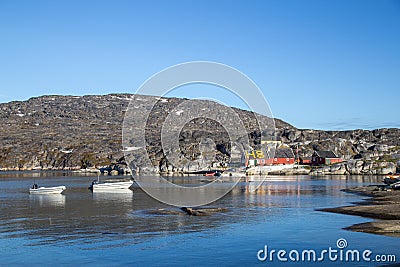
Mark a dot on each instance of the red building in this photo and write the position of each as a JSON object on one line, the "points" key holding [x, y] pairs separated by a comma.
{"points": [[305, 160], [283, 156], [325, 158]]}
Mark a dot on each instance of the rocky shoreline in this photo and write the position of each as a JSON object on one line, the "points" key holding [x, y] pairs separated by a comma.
{"points": [[358, 167], [384, 206], [350, 167], [83, 132]]}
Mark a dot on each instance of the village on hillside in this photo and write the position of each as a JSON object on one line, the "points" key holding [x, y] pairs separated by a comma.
{"points": [[284, 155], [278, 158]]}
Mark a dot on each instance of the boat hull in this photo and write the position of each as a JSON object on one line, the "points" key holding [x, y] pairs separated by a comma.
{"points": [[393, 176], [107, 187], [47, 190]]}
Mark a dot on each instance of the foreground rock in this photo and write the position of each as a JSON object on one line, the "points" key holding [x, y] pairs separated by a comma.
{"points": [[384, 206], [390, 228]]}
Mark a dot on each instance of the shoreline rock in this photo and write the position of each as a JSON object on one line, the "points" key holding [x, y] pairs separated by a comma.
{"points": [[384, 206], [389, 228], [357, 167]]}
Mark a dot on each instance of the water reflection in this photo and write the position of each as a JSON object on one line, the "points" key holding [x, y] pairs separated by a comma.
{"points": [[123, 195], [48, 200]]}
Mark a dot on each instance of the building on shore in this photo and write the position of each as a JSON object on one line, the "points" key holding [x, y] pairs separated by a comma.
{"points": [[282, 156], [305, 160], [325, 158]]}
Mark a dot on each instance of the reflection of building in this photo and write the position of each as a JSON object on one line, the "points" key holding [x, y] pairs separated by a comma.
{"points": [[282, 156], [325, 157]]}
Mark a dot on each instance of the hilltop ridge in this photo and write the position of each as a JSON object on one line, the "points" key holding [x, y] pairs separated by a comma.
{"points": [[73, 132]]}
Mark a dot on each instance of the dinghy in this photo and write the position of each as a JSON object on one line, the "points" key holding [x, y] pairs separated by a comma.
{"points": [[98, 186], [46, 190]]}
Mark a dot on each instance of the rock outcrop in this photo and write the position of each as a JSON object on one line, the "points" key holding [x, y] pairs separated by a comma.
{"points": [[71, 132], [357, 167]]}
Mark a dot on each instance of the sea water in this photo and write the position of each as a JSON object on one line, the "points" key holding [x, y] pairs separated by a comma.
{"points": [[79, 227]]}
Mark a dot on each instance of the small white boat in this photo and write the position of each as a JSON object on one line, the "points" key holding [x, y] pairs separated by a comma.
{"points": [[110, 186], [47, 190]]}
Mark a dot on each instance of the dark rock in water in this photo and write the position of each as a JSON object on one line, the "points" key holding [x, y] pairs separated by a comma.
{"points": [[202, 212], [163, 212], [188, 211]]}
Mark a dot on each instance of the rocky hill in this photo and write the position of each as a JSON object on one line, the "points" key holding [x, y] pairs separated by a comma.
{"points": [[71, 132]]}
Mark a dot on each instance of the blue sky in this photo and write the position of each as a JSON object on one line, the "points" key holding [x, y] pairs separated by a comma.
{"points": [[320, 64]]}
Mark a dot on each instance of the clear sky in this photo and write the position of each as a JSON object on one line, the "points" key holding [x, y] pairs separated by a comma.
{"points": [[320, 64]]}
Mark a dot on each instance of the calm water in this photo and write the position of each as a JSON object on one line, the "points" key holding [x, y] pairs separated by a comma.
{"points": [[81, 228]]}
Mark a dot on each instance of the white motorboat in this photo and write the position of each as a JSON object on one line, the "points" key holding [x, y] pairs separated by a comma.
{"points": [[47, 190], [110, 186]]}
